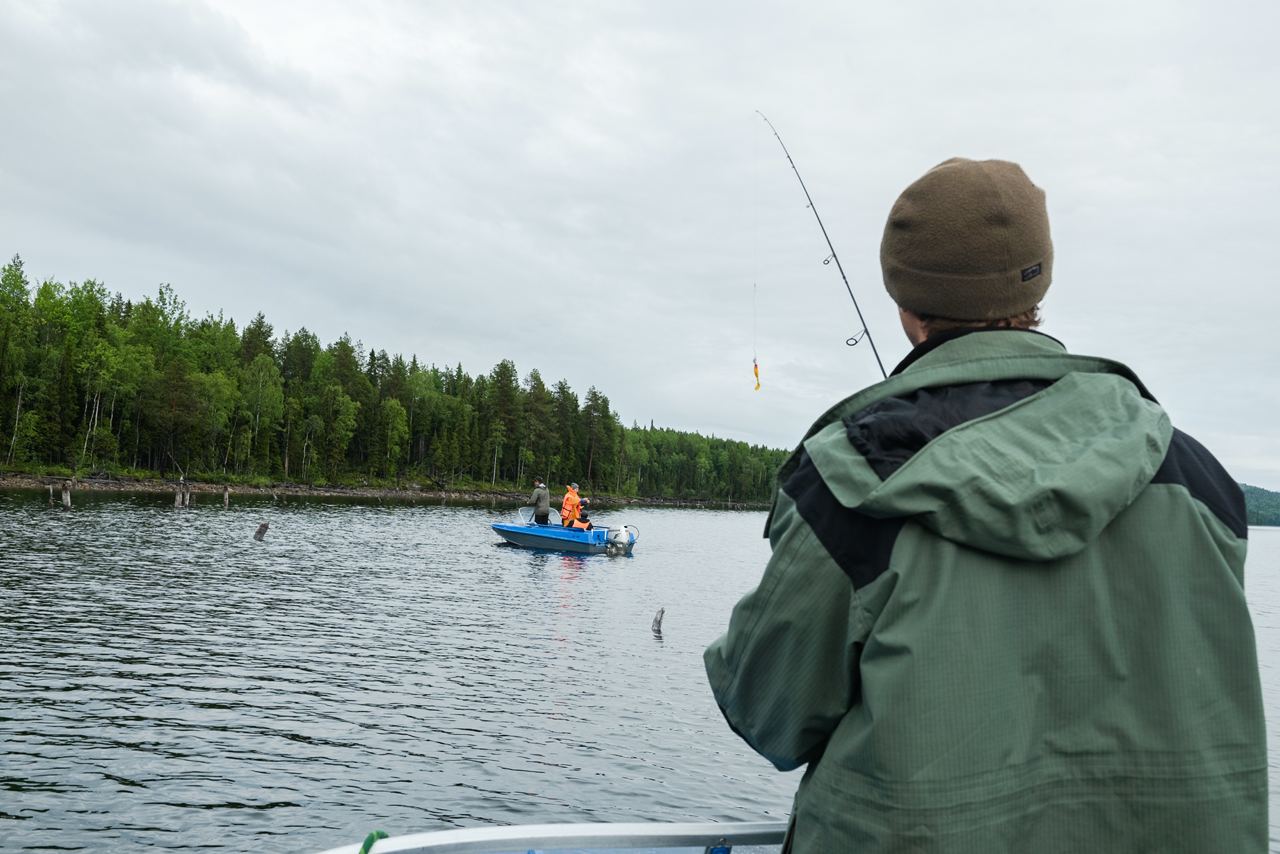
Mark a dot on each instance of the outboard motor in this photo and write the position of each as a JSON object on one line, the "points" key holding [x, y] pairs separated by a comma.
{"points": [[622, 540]]}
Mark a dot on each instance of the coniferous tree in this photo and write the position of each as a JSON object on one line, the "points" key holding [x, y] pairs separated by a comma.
{"points": [[93, 382]]}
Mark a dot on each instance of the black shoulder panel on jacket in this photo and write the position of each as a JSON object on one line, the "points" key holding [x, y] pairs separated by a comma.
{"points": [[891, 431], [859, 543], [1190, 464]]}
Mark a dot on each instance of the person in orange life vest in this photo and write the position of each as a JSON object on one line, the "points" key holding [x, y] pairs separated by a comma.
{"points": [[583, 522], [569, 507]]}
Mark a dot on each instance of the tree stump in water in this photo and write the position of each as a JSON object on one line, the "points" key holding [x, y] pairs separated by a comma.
{"points": [[226, 496], [261, 532], [66, 495]]}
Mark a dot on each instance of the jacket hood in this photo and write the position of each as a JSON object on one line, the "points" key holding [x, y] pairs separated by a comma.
{"points": [[999, 441]]}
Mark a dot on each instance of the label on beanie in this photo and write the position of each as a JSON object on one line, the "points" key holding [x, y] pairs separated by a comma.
{"points": [[1030, 272]]}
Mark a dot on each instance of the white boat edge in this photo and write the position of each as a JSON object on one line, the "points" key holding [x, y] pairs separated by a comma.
{"points": [[619, 836]]}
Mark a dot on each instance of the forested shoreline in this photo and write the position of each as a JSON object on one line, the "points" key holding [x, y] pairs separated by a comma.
{"points": [[1262, 505], [97, 385]]}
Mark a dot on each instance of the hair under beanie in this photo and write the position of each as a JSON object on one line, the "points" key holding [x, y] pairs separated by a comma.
{"points": [[969, 240]]}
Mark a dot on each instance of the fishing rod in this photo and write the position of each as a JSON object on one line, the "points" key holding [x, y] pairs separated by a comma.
{"points": [[865, 333]]}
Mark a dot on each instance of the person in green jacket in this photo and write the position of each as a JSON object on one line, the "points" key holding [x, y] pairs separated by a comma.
{"points": [[1005, 606], [541, 501]]}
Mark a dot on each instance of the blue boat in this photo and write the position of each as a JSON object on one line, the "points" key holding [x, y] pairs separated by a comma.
{"points": [[529, 535]]}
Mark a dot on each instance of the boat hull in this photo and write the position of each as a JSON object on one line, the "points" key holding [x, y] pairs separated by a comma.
{"points": [[557, 538]]}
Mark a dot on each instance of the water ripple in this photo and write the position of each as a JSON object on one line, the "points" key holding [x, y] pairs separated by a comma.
{"points": [[171, 683]]}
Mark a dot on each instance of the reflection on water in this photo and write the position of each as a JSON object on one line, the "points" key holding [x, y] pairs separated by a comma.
{"points": [[168, 682]]}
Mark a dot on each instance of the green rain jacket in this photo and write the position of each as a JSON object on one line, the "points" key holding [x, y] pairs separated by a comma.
{"points": [[541, 501], [1004, 612]]}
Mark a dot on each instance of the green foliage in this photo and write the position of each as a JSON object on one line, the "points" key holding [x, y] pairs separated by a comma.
{"points": [[24, 438], [1262, 505], [91, 382], [396, 424]]}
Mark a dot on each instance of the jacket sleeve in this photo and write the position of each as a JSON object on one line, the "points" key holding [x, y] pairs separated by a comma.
{"points": [[786, 671]]}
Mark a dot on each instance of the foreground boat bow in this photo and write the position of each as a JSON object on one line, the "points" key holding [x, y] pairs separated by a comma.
{"points": [[587, 839]]}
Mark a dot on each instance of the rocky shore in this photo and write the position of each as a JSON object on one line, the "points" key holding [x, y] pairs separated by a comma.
{"points": [[410, 493]]}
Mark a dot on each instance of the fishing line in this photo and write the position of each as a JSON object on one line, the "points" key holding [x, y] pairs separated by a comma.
{"points": [[755, 362], [755, 268], [865, 332]]}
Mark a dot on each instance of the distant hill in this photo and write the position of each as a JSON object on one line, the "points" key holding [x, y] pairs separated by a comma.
{"points": [[1263, 505]]}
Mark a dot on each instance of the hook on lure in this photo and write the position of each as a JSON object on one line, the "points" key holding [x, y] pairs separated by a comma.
{"points": [[865, 333]]}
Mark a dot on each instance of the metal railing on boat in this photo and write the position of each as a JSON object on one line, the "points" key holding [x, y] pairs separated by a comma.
{"points": [[699, 837]]}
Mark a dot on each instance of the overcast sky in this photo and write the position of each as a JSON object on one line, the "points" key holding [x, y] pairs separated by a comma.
{"points": [[585, 188]]}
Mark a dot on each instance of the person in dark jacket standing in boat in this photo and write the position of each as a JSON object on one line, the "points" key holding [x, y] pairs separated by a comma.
{"points": [[541, 501], [1005, 608]]}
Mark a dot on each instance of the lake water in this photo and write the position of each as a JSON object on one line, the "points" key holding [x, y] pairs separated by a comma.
{"points": [[168, 682]]}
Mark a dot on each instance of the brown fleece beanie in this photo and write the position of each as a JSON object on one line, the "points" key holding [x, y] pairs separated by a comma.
{"points": [[968, 241]]}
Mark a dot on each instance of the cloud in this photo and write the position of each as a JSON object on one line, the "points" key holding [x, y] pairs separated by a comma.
{"points": [[587, 190]]}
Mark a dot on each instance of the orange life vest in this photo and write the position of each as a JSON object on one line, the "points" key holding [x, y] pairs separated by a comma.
{"points": [[582, 524], [570, 507]]}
